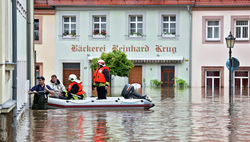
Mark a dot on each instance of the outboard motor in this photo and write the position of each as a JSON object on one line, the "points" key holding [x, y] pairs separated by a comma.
{"points": [[129, 92]]}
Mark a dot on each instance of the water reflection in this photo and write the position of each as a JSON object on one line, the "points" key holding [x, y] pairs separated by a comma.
{"points": [[191, 114], [100, 130]]}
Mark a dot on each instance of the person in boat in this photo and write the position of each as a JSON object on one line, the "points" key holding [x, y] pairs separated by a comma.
{"points": [[75, 90], [41, 92], [101, 79], [57, 86]]}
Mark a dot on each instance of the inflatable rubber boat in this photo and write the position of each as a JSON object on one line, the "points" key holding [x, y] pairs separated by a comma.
{"points": [[130, 100]]}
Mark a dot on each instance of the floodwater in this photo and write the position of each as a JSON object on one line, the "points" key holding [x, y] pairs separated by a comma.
{"points": [[191, 114]]}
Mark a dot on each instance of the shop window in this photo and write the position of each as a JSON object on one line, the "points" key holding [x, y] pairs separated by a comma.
{"points": [[135, 26], [168, 25], [213, 30], [241, 29], [99, 26], [69, 26], [241, 79]]}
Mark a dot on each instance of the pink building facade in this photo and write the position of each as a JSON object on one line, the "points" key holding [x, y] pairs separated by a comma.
{"points": [[210, 26]]}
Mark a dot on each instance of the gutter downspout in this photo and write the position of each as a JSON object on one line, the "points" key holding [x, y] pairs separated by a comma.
{"points": [[189, 8], [14, 59], [28, 46], [190, 44]]}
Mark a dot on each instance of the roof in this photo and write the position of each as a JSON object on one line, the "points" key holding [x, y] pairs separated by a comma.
{"points": [[119, 2], [222, 3], [42, 4], [195, 3]]}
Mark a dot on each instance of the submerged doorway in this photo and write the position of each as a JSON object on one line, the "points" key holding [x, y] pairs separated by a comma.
{"points": [[168, 76], [70, 68], [135, 75]]}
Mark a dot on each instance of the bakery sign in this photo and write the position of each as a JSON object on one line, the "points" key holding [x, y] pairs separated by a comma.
{"points": [[123, 48]]}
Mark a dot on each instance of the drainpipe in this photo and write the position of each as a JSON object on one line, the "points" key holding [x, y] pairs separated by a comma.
{"points": [[14, 59], [189, 8], [28, 45]]}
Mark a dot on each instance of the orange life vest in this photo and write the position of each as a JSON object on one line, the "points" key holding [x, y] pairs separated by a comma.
{"points": [[99, 76], [80, 90]]}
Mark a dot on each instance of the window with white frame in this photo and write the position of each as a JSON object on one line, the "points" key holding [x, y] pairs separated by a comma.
{"points": [[99, 26], [69, 26], [135, 25], [241, 79], [213, 79], [241, 29], [169, 25], [213, 30]]}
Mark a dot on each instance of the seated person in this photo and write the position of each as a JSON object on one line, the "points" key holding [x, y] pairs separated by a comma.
{"points": [[57, 86], [41, 92], [75, 90]]}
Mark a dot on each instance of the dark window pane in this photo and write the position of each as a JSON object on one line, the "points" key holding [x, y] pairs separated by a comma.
{"points": [[237, 83], [209, 82], [213, 23], [172, 18], [245, 82], [245, 32], [238, 31], [96, 19], [36, 29], [132, 25], [213, 73], [139, 18], [103, 19], [139, 31], [66, 19], [132, 18], [73, 19], [165, 25], [167, 67], [209, 32], [216, 82], [165, 18], [36, 35], [241, 74], [36, 24], [71, 65]]}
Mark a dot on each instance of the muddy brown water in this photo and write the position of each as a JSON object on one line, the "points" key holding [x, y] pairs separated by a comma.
{"points": [[191, 114]]}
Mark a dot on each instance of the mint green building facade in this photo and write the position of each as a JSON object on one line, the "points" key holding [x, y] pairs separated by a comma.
{"points": [[157, 39]]}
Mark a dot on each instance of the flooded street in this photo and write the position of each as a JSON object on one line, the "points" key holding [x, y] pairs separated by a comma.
{"points": [[179, 115]]}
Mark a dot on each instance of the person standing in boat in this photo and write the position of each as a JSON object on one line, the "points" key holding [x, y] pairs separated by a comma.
{"points": [[101, 79], [75, 90], [57, 86]]}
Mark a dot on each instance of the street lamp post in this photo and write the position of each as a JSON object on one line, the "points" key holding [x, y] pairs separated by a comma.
{"points": [[230, 44]]}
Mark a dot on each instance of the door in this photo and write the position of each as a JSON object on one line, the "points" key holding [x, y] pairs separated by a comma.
{"points": [[70, 68], [135, 75], [212, 82], [241, 82], [167, 76]]}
